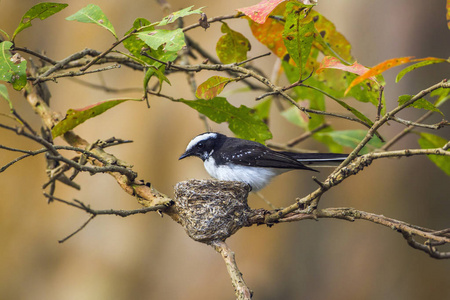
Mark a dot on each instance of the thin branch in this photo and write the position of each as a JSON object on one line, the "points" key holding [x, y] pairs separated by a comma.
{"points": [[405, 131], [43, 78], [121, 213], [241, 289], [429, 249], [78, 230], [107, 50], [253, 58], [215, 19], [306, 135], [60, 64], [22, 120], [416, 124], [95, 169], [380, 103], [352, 214], [377, 124], [36, 54], [80, 205]]}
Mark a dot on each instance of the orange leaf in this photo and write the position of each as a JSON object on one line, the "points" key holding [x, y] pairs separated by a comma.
{"points": [[270, 34], [260, 11], [212, 87], [378, 69]]}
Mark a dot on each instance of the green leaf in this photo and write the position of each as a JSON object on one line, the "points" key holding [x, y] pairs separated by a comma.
{"points": [[179, 14], [153, 70], [171, 40], [430, 61], [232, 47], [212, 87], [328, 40], [242, 121], [420, 103], [299, 34], [442, 94], [427, 141], [93, 14], [5, 95], [262, 109], [296, 117], [351, 138], [12, 68], [328, 141], [135, 45], [41, 11], [75, 117]]}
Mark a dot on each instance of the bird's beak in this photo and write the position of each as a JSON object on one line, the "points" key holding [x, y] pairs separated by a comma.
{"points": [[184, 155]]}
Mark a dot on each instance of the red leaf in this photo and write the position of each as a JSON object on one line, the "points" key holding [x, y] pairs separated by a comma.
{"points": [[260, 11], [330, 62]]}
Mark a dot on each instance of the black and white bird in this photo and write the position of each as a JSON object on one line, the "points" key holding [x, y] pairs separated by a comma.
{"points": [[234, 159]]}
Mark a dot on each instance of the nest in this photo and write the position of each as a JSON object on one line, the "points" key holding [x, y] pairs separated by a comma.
{"points": [[211, 210]]}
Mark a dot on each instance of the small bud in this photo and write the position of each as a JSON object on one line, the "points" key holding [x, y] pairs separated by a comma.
{"points": [[203, 21]]}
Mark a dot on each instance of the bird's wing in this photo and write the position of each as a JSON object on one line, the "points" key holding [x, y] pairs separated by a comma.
{"points": [[257, 155]]}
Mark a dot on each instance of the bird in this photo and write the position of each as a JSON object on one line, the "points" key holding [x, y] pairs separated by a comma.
{"points": [[234, 159]]}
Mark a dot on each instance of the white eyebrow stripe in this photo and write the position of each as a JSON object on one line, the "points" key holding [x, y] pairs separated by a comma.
{"points": [[201, 137]]}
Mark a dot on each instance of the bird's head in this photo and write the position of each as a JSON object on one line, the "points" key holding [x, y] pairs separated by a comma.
{"points": [[202, 145]]}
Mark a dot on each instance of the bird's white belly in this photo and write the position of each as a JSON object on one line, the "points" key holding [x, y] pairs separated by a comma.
{"points": [[256, 177]]}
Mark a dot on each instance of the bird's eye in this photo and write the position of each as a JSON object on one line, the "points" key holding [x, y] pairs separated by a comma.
{"points": [[200, 145]]}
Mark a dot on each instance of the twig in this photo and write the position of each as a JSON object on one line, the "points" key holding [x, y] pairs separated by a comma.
{"points": [[306, 135], [241, 289], [252, 58], [377, 124], [60, 64], [429, 249], [36, 54], [43, 78], [416, 124], [107, 50], [121, 213], [131, 175], [405, 131], [215, 19], [78, 230], [380, 103], [27, 126]]}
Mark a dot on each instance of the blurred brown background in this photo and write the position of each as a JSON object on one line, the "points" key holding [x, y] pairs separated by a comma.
{"points": [[149, 257]]}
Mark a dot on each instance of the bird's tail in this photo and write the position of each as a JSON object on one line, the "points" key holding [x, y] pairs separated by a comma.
{"points": [[318, 159]]}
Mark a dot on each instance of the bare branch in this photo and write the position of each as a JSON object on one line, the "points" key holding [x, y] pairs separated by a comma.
{"points": [[43, 78], [78, 230], [240, 287], [215, 19], [417, 124]]}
